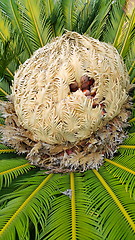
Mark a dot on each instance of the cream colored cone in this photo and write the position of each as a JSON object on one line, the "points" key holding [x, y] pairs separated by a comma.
{"points": [[54, 116]]}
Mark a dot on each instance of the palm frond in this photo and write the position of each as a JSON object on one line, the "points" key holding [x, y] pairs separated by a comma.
{"points": [[132, 121], [5, 27], [59, 218], [2, 121], [123, 168], [130, 71], [8, 55], [128, 36], [130, 140], [4, 89], [114, 23], [67, 217], [87, 17], [12, 168], [29, 204], [127, 149], [109, 198], [32, 25], [69, 13], [128, 146], [53, 19], [10, 10], [15, 185], [5, 149], [102, 18]]}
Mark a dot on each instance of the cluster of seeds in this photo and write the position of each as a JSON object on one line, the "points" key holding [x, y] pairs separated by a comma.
{"points": [[87, 87]]}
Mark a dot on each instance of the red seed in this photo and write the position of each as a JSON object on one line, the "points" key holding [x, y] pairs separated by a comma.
{"points": [[69, 151], [84, 86], [87, 92], [103, 112], [84, 79], [74, 87], [94, 104], [91, 81]]}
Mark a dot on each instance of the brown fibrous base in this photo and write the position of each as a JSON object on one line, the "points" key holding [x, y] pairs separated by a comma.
{"points": [[87, 154]]}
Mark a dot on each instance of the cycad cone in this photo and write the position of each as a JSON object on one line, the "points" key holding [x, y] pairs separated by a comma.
{"points": [[58, 118]]}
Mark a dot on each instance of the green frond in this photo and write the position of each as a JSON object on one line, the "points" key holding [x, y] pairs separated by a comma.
{"points": [[3, 94], [5, 149], [128, 35], [31, 21], [130, 70], [130, 140], [59, 218], [130, 60], [132, 122], [133, 81], [4, 89], [132, 117], [67, 218], [70, 14], [132, 129], [16, 185], [12, 168], [87, 17], [123, 168], [112, 203], [2, 121], [114, 23], [128, 146], [52, 19], [10, 10], [6, 30], [102, 18], [31, 204], [73, 208], [9, 72], [9, 60], [5, 27], [119, 29], [127, 149]]}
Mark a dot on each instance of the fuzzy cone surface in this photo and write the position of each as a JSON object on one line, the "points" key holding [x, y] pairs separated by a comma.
{"points": [[68, 104]]}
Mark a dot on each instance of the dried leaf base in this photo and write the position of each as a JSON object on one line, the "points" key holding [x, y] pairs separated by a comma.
{"points": [[86, 154]]}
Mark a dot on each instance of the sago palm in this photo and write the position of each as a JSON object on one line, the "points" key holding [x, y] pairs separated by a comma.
{"points": [[39, 204]]}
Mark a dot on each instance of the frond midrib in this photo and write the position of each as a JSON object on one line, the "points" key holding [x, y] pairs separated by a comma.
{"points": [[73, 206], [16, 168], [24, 204], [116, 200], [120, 166]]}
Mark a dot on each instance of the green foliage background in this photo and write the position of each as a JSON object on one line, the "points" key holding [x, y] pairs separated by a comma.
{"points": [[32, 203]]}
